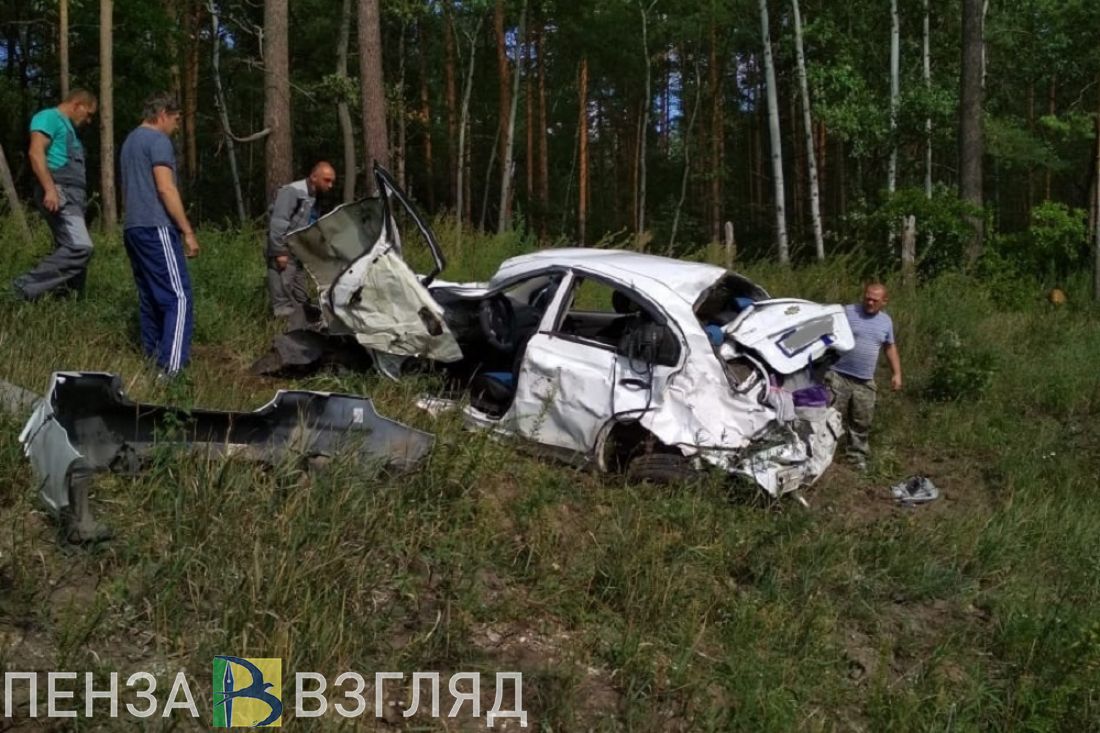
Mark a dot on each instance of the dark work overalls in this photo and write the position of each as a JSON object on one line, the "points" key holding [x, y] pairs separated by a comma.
{"points": [[66, 267]]}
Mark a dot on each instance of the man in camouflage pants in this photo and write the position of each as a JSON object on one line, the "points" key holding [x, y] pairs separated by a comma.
{"points": [[852, 379]]}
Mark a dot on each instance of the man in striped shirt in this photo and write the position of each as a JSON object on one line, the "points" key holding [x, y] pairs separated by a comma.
{"points": [[852, 378]]}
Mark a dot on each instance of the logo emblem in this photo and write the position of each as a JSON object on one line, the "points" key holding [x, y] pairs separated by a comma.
{"points": [[248, 692]]}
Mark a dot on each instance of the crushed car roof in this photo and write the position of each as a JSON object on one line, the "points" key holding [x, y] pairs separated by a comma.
{"points": [[688, 279]]}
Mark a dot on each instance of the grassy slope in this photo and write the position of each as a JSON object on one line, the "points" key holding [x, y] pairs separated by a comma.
{"points": [[627, 607]]}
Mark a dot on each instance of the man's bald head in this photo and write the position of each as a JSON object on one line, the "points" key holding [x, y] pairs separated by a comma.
{"points": [[323, 177], [875, 298]]}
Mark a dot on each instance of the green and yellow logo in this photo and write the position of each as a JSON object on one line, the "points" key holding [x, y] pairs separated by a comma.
{"points": [[248, 692]]}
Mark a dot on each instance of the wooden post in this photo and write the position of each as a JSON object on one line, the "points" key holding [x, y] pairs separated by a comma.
{"points": [[13, 198], [731, 245], [909, 250]]}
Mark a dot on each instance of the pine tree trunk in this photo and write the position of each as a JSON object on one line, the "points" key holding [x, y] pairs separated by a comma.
{"points": [[278, 149], [63, 45], [927, 73], [107, 115], [450, 98], [426, 117], [1052, 110], [399, 114], [808, 125], [582, 152], [192, 18], [376, 146], [508, 166], [13, 199], [970, 121], [895, 96], [776, 140], [643, 129], [343, 113], [1096, 230], [171, 12]]}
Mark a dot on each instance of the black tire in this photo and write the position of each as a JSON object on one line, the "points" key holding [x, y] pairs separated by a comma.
{"points": [[661, 468]]}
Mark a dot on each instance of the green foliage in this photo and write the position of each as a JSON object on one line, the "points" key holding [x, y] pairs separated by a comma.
{"points": [[337, 88], [961, 370], [1054, 245], [942, 228]]}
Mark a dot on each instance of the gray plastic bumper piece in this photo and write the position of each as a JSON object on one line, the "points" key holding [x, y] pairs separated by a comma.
{"points": [[86, 424]]}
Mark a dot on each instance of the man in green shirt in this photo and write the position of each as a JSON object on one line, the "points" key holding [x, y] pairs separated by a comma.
{"points": [[57, 159]]}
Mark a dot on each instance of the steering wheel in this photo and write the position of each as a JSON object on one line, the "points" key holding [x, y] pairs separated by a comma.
{"points": [[498, 322]]}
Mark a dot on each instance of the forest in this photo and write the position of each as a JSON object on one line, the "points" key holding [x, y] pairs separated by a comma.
{"points": [[920, 132]]}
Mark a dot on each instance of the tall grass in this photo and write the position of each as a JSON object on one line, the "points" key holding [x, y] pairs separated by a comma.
{"points": [[627, 607]]}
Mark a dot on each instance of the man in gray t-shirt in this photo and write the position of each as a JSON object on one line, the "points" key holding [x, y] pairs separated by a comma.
{"points": [[852, 378], [154, 220]]}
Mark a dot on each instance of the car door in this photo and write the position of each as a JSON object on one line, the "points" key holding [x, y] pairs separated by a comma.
{"points": [[357, 256], [578, 372]]}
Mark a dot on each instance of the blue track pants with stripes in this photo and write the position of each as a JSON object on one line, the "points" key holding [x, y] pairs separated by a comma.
{"points": [[164, 294]]}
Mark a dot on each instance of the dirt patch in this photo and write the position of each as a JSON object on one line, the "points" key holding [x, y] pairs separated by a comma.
{"points": [[863, 498]]}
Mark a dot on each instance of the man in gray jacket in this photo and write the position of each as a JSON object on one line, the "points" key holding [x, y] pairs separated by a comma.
{"points": [[295, 207]]}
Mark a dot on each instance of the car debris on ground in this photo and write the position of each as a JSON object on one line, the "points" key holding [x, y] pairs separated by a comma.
{"points": [[85, 425]]}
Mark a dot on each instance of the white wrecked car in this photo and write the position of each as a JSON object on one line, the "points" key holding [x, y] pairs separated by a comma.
{"points": [[629, 361]]}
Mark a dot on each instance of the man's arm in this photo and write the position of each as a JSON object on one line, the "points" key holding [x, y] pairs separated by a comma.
{"points": [[281, 211], [895, 366], [170, 196], [37, 153]]}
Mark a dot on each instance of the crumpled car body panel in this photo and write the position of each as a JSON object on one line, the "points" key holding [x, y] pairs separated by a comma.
{"points": [[86, 424]]}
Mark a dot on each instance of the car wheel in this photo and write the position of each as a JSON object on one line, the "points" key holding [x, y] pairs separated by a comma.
{"points": [[661, 468]]}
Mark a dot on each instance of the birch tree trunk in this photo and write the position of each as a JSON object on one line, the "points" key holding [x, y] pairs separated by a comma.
{"points": [[687, 160], [376, 146], [582, 152], [13, 199], [223, 114], [509, 166], [107, 115], [644, 125], [776, 140], [808, 129], [529, 117], [504, 103], [462, 203], [971, 143], [277, 147], [426, 117], [63, 46], [450, 96], [347, 132], [895, 95], [927, 73]]}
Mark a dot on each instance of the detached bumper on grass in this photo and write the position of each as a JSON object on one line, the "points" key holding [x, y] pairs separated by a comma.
{"points": [[86, 424]]}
